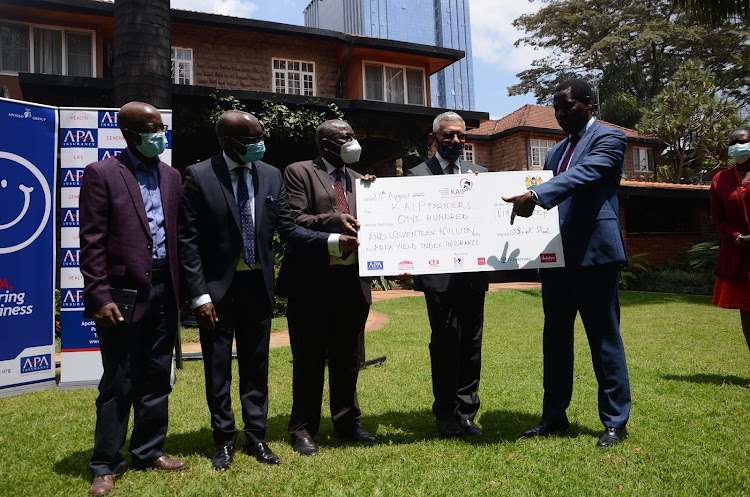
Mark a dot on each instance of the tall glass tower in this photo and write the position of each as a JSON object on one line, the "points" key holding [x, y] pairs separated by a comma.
{"points": [[442, 23]]}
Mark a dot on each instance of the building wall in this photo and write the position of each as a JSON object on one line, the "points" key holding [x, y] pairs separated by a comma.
{"points": [[243, 60]]}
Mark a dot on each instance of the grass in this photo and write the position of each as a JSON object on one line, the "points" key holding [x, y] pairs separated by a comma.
{"points": [[687, 434]]}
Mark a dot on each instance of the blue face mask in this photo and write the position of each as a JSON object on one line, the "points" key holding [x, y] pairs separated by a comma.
{"points": [[253, 152], [152, 144], [739, 152], [450, 150]]}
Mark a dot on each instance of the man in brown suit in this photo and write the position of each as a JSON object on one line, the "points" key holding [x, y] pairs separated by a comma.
{"points": [[328, 301]]}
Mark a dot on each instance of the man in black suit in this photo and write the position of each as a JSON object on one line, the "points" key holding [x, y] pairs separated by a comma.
{"points": [[129, 240], [230, 207], [455, 304], [329, 326]]}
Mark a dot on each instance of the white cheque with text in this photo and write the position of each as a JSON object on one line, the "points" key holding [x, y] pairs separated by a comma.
{"points": [[453, 223]]}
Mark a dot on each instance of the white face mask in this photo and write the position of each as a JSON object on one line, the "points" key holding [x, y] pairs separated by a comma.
{"points": [[739, 152], [349, 152]]}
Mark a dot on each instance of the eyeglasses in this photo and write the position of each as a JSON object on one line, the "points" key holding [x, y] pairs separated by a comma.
{"points": [[156, 129], [248, 140], [449, 136]]}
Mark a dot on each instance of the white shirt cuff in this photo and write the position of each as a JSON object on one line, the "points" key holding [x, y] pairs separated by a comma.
{"points": [[199, 301], [333, 245]]}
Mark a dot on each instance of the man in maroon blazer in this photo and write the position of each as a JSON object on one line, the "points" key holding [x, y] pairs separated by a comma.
{"points": [[128, 232]]}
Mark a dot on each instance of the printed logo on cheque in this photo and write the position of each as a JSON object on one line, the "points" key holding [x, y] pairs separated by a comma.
{"points": [[374, 265], [406, 265], [548, 258]]}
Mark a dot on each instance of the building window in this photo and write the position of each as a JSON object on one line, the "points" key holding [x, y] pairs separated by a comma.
{"points": [[182, 66], [643, 160], [294, 77], [469, 152], [46, 50], [539, 149], [394, 84]]}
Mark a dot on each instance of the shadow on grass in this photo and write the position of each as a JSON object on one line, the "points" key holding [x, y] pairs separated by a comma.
{"points": [[199, 442], [636, 298], [710, 379]]}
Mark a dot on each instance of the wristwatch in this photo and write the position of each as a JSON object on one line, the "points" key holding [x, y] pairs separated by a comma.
{"points": [[535, 198], [736, 240]]}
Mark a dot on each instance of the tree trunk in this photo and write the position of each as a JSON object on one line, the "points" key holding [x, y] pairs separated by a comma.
{"points": [[141, 67]]}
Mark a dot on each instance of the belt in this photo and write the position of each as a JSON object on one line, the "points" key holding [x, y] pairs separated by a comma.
{"points": [[158, 274]]}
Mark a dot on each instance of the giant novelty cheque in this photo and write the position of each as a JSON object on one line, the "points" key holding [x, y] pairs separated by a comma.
{"points": [[453, 223]]}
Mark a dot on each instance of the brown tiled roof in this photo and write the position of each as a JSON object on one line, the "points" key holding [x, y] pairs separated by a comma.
{"points": [[662, 186], [534, 116]]}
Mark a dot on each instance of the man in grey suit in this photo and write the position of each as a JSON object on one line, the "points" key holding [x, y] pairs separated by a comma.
{"points": [[455, 304]]}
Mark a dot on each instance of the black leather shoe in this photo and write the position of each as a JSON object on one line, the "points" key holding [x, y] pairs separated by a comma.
{"points": [[261, 452], [470, 428], [449, 428], [358, 435], [546, 428], [610, 437], [223, 457], [305, 446]]}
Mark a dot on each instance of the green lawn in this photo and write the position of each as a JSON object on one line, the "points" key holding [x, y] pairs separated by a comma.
{"points": [[688, 433]]}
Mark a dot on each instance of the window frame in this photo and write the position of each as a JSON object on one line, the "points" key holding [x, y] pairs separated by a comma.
{"points": [[175, 76], [302, 73], [405, 80], [650, 159], [468, 154], [63, 47], [532, 167]]}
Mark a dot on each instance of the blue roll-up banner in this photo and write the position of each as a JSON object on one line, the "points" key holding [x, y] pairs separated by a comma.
{"points": [[28, 163], [86, 136]]}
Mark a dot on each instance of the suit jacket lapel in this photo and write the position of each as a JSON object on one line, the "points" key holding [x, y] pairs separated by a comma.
{"points": [[221, 171], [325, 180], [351, 198], [127, 170], [166, 189], [434, 166], [259, 188], [583, 144]]}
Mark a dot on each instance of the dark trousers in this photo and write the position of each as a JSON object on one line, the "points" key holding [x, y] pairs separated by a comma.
{"points": [[593, 292], [245, 315], [330, 324], [457, 320], [137, 360]]}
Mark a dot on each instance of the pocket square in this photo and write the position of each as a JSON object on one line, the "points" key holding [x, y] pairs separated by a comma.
{"points": [[270, 199]]}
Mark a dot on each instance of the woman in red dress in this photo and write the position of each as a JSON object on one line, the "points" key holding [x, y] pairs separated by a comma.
{"points": [[730, 213]]}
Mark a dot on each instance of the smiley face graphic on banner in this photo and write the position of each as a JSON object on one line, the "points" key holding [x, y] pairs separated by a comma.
{"points": [[25, 202]]}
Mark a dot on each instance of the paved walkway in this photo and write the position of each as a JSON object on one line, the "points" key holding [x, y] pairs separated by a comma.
{"points": [[375, 320]]}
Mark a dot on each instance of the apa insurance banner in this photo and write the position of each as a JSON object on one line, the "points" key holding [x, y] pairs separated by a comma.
{"points": [[28, 160], [86, 136]]}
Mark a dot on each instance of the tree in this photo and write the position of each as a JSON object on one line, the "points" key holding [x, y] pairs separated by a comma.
{"points": [[717, 11], [632, 47], [141, 65], [691, 116]]}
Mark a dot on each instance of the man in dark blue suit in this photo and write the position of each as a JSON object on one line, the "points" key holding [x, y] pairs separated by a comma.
{"points": [[231, 205], [588, 166]]}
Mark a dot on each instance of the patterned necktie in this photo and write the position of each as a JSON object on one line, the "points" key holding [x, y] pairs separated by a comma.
{"points": [[453, 168], [246, 219], [341, 203], [569, 154]]}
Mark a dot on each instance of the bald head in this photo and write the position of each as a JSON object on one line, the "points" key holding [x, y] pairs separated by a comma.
{"points": [[138, 116], [235, 129]]}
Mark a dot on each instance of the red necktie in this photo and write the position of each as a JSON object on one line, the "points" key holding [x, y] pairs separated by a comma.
{"points": [[566, 160], [341, 203]]}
